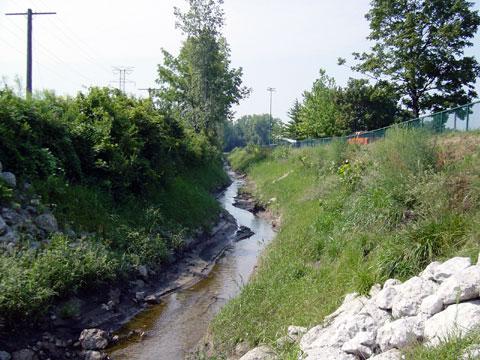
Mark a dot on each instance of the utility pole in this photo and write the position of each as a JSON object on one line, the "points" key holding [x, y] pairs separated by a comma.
{"points": [[30, 14], [122, 76], [271, 90]]}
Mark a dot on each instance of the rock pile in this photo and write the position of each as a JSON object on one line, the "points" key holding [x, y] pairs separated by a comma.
{"points": [[23, 218], [441, 302]]}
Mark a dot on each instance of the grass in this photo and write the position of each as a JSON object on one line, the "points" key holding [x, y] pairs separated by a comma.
{"points": [[392, 208], [116, 236]]}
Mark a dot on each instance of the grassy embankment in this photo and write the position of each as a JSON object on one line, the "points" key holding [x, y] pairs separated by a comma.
{"points": [[127, 184], [397, 205]]}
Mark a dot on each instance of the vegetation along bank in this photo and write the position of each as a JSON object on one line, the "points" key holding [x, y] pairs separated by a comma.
{"points": [[352, 216]]}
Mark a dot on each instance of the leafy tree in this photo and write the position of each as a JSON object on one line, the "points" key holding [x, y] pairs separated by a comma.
{"points": [[252, 129], [419, 47], [199, 86], [369, 107], [320, 115]]}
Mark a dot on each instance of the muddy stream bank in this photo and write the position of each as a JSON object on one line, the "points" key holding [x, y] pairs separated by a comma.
{"points": [[174, 327]]}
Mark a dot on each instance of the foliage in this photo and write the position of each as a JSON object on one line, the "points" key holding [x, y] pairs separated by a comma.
{"points": [[242, 159], [134, 181], [32, 279], [319, 115], [419, 47], [329, 110], [294, 115], [369, 107], [251, 129], [393, 209], [6, 192], [199, 86], [122, 144]]}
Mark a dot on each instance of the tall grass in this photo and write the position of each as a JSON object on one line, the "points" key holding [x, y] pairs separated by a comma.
{"points": [[351, 217]]}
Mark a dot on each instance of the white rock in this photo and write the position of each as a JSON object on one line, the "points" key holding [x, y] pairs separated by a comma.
{"points": [[410, 295], [391, 282], [343, 329], [380, 316], [352, 304], [361, 345], [471, 353], [399, 333], [284, 341], [374, 290], [392, 354], [329, 353], [431, 305], [3, 354], [384, 299], [94, 355], [9, 178], [93, 339], [260, 353], [296, 332], [464, 285], [451, 267], [456, 320], [429, 272], [140, 295]]}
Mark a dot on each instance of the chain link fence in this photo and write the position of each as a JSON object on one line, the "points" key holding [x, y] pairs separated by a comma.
{"points": [[461, 118]]}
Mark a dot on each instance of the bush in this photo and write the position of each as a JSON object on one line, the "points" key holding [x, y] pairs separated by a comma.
{"points": [[30, 280]]}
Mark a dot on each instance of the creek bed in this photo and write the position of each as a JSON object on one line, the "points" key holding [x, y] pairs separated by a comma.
{"points": [[176, 326]]}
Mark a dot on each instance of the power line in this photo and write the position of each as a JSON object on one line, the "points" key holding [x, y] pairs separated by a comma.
{"points": [[50, 54], [81, 45], [30, 15]]}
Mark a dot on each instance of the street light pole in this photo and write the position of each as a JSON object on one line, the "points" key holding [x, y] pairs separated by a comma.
{"points": [[271, 90]]}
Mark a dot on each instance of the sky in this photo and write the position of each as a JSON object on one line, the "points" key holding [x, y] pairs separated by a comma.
{"points": [[278, 43]]}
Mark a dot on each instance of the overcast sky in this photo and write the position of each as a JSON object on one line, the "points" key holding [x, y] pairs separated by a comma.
{"points": [[279, 43]]}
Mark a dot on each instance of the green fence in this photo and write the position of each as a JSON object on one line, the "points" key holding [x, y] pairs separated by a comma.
{"points": [[461, 118]]}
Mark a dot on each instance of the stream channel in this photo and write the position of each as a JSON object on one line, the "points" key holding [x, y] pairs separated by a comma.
{"points": [[179, 323]]}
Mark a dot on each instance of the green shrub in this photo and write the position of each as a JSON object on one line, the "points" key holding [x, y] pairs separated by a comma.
{"points": [[31, 280], [6, 192]]}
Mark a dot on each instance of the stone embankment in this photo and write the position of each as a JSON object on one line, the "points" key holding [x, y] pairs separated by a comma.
{"points": [[25, 219], [441, 302]]}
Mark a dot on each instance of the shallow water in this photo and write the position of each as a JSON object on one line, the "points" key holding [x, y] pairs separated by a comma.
{"points": [[176, 326]]}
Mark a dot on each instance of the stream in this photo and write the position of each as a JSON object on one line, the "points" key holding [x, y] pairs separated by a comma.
{"points": [[179, 323]]}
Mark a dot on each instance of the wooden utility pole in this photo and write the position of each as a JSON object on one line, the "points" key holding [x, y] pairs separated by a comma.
{"points": [[30, 14]]}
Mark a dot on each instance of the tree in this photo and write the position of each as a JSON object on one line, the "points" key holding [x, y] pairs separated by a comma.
{"points": [[419, 47], [252, 129], [369, 107], [320, 114], [199, 86], [291, 130]]}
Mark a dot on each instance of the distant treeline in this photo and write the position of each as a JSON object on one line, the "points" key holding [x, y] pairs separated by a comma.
{"points": [[252, 129]]}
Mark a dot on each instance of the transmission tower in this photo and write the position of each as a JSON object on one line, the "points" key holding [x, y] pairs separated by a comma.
{"points": [[122, 76]]}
